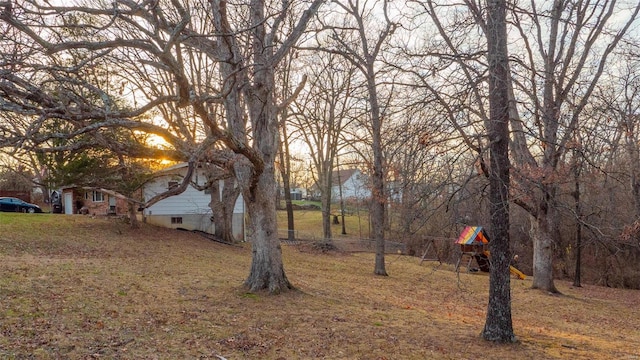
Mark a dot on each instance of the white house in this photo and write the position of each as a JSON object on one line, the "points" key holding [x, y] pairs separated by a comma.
{"points": [[189, 210], [355, 185]]}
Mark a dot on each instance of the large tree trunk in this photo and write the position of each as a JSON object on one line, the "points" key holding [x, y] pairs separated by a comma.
{"points": [[222, 204], [267, 270], [544, 228], [498, 325], [230, 193]]}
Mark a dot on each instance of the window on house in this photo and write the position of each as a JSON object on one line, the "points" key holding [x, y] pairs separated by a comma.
{"points": [[172, 185], [176, 220], [98, 196]]}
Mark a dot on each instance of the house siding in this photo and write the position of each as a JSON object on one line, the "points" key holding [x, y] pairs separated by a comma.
{"points": [[192, 206], [191, 201], [200, 222], [355, 187]]}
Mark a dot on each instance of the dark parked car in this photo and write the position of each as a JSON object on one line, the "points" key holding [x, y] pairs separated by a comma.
{"points": [[17, 205]]}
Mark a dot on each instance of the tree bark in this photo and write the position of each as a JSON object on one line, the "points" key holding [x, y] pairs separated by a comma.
{"points": [[544, 231], [378, 201], [578, 210], [223, 201], [498, 326], [267, 270], [230, 194]]}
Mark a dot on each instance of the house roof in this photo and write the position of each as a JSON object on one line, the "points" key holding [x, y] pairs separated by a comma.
{"points": [[341, 176], [345, 175], [174, 167]]}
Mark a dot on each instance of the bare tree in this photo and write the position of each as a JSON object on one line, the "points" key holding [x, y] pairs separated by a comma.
{"points": [[362, 44], [418, 168], [498, 325], [321, 115], [565, 62], [288, 95], [161, 31], [557, 59], [621, 102]]}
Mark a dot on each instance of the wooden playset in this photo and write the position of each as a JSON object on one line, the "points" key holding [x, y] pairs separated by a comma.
{"points": [[474, 245]]}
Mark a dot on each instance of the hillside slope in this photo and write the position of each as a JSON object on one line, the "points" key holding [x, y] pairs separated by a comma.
{"points": [[77, 287]]}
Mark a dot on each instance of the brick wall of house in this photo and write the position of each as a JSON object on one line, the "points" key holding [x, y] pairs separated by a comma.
{"points": [[96, 207], [84, 203]]}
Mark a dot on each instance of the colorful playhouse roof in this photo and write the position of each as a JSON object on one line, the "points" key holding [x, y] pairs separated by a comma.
{"points": [[472, 235]]}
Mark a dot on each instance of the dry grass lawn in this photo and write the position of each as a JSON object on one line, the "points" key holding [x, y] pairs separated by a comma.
{"points": [[73, 287]]}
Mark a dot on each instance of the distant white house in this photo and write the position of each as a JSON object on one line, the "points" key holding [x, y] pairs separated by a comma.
{"points": [[354, 184], [189, 210]]}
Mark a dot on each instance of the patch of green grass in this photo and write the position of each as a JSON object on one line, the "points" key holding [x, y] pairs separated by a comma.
{"points": [[19, 220], [307, 202], [308, 224], [251, 296]]}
